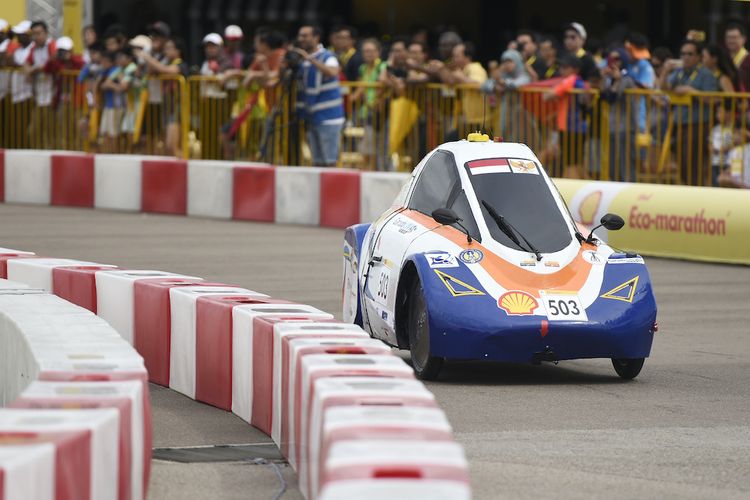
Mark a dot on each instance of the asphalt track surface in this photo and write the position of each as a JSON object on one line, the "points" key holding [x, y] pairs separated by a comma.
{"points": [[573, 430]]}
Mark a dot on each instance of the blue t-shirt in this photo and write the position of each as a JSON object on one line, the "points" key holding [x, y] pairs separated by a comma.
{"points": [[110, 97]]}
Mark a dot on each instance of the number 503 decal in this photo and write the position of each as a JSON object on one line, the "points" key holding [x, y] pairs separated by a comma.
{"points": [[563, 307], [383, 285]]}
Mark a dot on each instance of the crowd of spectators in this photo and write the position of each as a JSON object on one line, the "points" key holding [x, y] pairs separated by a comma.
{"points": [[122, 72]]}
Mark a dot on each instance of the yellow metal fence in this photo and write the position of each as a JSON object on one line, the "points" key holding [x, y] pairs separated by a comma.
{"points": [[634, 135]]}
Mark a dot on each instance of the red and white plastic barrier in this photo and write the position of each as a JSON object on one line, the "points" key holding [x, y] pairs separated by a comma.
{"points": [[205, 188], [348, 391], [395, 459], [183, 300], [86, 447], [82, 434], [124, 396], [288, 369], [385, 488], [26, 470]]}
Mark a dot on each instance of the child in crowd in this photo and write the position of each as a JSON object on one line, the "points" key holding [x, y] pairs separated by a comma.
{"points": [[89, 77], [109, 128], [128, 85], [722, 141]]}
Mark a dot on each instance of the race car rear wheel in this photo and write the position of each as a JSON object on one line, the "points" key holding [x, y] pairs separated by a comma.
{"points": [[426, 366], [628, 368]]}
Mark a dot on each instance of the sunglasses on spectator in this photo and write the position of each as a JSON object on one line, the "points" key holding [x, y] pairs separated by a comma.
{"points": [[571, 35], [687, 53]]}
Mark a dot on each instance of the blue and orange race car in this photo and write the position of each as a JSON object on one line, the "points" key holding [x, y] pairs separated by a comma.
{"points": [[479, 258]]}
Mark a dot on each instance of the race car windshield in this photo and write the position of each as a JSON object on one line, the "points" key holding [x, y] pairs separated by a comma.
{"points": [[518, 191]]}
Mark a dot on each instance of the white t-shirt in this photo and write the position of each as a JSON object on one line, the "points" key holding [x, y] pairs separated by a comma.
{"points": [[42, 81], [20, 86], [721, 137], [739, 164]]}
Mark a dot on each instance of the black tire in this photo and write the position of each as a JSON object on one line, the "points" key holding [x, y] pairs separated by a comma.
{"points": [[628, 369], [426, 366]]}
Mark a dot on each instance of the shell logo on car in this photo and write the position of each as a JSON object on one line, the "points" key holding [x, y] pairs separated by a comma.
{"points": [[517, 303]]}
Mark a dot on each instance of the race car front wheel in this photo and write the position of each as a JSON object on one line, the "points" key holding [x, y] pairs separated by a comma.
{"points": [[628, 368], [426, 367]]}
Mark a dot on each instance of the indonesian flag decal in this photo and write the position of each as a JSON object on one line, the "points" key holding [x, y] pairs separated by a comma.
{"points": [[489, 166]]}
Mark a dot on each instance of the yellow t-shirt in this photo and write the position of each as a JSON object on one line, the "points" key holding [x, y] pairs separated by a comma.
{"points": [[473, 100]]}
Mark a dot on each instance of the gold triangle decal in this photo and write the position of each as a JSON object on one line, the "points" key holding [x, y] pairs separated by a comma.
{"points": [[624, 292], [456, 287]]}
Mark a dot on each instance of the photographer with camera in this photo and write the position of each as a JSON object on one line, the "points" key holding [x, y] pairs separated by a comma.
{"points": [[320, 96]]}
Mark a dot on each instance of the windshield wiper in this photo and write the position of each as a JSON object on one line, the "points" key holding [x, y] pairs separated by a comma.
{"points": [[510, 231]]}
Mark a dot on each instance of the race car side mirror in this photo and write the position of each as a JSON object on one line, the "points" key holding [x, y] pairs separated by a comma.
{"points": [[445, 216], [611, 222], [448, 217]]}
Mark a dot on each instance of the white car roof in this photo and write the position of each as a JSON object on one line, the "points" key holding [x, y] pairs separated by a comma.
{"points": [[465, 150]]}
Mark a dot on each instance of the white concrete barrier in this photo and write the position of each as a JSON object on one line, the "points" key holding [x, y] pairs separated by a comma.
{"points": [[298, 195], [210, 189], [28, 176], [117, 182], [378, 190]]}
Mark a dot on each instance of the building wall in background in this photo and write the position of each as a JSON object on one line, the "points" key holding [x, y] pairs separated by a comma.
{"points": [[13, 11]]}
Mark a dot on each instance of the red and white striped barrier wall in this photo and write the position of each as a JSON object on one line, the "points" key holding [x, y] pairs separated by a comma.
{"points": [[281, 366], [126, 397], [85, 424], [204, 188]]}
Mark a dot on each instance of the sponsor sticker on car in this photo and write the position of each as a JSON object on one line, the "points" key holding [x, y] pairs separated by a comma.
{"points": [[440, 260], [627, 260], [563, 306], [471, 256]]}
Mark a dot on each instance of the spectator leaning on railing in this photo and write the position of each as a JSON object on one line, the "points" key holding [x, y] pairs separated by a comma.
{"points": [[622, 123], [464, 70], [21, 88], [320, 97], [171, 64], [153, 120], [43, 50], [344, 46], [4, 81], [691, 113], [511, 74]]}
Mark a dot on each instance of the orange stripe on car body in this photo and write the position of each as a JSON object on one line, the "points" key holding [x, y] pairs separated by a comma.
{"points": [[508, 275]]}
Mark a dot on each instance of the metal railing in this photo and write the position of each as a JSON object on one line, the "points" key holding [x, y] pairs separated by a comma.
{"points": [[634, 135]]}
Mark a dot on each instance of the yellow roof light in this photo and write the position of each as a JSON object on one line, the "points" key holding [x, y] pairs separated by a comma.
{"points": [[478, 137]]}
